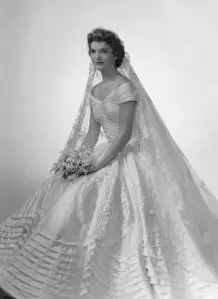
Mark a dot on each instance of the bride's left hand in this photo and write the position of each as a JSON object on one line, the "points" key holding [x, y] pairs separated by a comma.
{"points": [[92, 168]]}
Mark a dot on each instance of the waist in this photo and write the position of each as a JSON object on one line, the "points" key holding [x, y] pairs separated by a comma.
{"points": [[131, 141]]}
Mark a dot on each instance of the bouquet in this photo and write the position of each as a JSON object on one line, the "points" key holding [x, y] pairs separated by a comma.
{"points": [[73, 163]]}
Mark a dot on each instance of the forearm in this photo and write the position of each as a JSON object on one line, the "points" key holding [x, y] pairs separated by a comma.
{"points": [[90, 139], [113, 150]]}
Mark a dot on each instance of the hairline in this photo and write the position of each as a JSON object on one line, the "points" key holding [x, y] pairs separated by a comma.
{"points": [[106, 44]]}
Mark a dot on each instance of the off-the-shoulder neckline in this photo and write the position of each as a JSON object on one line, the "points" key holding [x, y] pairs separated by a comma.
{"points": [[118, 87]]}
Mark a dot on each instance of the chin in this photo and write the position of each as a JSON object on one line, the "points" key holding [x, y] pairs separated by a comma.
{"points": [[100, 68], [105, 67]]}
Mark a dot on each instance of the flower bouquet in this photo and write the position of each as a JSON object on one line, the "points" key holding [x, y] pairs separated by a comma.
{"points": [[73, 163]]}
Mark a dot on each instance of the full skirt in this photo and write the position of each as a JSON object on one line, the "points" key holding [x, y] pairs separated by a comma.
{"points": [[127, 231]]}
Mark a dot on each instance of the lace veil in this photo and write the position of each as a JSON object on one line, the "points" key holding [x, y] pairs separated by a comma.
{"points": [[148, 126], [151, 131], [168, 163]]}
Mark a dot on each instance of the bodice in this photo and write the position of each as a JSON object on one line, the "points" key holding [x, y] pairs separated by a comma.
{"points": [[106, 111]]}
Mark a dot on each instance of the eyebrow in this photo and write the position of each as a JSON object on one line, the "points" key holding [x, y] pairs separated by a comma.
{"points": [[104, 48]]}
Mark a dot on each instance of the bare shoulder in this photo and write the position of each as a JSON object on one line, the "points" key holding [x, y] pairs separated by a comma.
{"points": [[124, 79], [96, 87], [130, 86]]}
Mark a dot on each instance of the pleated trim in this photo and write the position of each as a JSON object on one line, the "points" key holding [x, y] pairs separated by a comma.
{"points": [[45, 267], [38, 267], [40, 271], [135, 272]]}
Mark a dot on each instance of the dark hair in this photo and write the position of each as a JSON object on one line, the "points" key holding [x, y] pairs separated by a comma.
{"points": [[112, 39]]}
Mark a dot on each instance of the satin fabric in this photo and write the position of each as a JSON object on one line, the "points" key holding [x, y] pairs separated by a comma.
{"points": [[126, 231]]}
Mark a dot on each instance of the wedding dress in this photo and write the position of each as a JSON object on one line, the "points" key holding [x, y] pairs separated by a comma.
{"points": [[131, 230]]}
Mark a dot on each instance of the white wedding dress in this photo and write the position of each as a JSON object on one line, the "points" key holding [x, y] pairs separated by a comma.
{"points": [[125, 231]]}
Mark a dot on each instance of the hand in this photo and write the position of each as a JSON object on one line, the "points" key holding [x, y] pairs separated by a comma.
{"points": [[92, 168], [63, 158]]}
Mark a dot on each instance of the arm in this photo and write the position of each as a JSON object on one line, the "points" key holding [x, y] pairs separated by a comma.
{"points": [[127, 110], [92, 135], [90, 139]]}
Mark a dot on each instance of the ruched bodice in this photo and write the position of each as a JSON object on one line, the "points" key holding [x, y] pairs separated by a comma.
{"points": [[106, 111]]}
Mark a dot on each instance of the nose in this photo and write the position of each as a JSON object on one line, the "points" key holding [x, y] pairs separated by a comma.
{"points": [[97, 56]]}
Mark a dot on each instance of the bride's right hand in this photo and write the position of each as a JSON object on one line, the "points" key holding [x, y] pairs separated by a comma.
{"points": [[93, 166]]}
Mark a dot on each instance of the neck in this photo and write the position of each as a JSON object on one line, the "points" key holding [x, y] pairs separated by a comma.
{"points": [[109, 73]]}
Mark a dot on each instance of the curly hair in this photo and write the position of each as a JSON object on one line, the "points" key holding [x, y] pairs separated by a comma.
{"points": [[112, 39]]}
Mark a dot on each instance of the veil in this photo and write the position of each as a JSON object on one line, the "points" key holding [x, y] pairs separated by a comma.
{"points": [[151, 131], [186, 194]]}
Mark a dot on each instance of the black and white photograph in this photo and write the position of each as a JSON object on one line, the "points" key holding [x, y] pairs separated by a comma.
{"points": [[109, 142]]}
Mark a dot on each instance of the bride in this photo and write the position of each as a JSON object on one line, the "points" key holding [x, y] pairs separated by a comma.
{"points": [[139, 224]]}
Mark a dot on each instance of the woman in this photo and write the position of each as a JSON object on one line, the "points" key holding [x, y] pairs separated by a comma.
{"points": [[140, 224]]}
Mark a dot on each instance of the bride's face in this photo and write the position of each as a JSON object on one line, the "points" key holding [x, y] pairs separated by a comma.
{"points": [[101, 55]]}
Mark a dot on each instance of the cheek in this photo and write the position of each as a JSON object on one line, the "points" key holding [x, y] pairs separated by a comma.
{"points": [[110, 59]]}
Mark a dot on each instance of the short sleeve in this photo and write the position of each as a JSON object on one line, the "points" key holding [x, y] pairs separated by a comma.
{"points": [[127, 93]]}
